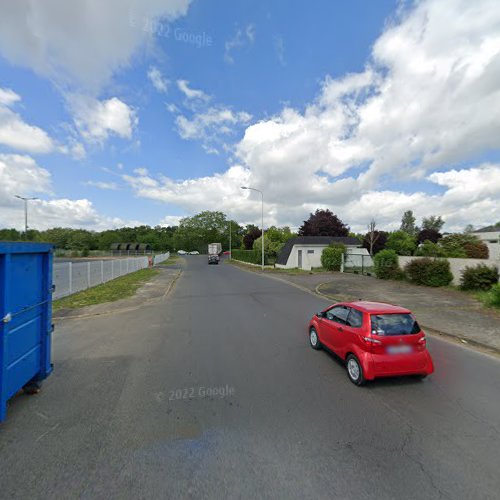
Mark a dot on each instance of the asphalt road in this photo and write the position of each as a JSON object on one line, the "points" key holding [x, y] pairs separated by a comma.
{"points": [[112, 421]]}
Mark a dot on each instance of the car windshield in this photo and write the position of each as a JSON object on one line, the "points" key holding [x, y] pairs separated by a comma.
{"points": [[394, 324]]}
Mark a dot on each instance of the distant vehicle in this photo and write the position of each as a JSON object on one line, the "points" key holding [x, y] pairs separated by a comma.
{"points": [[213, 259], [182, 252], [373, 339], [214, 251], [194, 252], [227, 252]]}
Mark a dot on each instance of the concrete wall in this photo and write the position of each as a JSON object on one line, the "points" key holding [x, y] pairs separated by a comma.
{"points": [[492, 239], [456, 265]]}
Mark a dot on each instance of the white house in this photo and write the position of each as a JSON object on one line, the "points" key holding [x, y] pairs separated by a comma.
{"points": [[491, 236], [304, 252]]}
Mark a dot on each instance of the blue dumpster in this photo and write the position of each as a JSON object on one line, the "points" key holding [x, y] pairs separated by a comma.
{"points": [[25, 317]]}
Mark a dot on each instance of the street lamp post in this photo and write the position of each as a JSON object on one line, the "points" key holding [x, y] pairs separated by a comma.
{"points": [[262, 195], [230, 249], [25, 212]]}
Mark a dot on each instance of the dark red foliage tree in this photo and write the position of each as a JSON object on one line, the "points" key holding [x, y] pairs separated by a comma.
{"points": [[323, 223], [429, 235], [379, 241], [252, 234]]}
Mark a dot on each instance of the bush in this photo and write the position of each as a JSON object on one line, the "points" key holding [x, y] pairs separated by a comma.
{"points": [[331, 257], [493, 298], [455, 244], [250, 256], [430, 249], [387, 265], [401, 242], [480, 277], [476, 250], [429, 272]]}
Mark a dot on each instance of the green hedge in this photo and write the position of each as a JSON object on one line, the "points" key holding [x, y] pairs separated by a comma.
{"points": [[331, 258], [429, 272], [480, 277], [386, 264], [250, 256]]}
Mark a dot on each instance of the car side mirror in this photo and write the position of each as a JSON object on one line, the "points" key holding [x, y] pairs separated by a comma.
{"points": [[321, 314]]}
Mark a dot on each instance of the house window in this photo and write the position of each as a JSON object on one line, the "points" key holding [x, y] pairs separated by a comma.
{"points": [[310, 251]]}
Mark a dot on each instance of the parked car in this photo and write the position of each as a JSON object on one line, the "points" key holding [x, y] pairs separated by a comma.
{"points": [[181, 252], [194, 252], [373, 339]]}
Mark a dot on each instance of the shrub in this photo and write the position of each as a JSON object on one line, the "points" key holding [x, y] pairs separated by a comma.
{"points": [[430, 249], [455, 244], [401, 242], [476, 250], [429, 235], [331, 257], [387, 265], [493, 297], [251, 256], [480, 277], [429, 272]]}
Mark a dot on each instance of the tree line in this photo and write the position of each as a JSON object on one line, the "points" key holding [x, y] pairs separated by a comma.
{"points": [[194, 233]]}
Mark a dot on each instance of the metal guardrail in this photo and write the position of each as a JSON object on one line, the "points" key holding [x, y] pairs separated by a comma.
{"points": [[72, 277]]}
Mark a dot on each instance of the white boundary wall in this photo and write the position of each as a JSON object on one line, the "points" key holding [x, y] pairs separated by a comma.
{"points": [[456, 265], [72, 277]]}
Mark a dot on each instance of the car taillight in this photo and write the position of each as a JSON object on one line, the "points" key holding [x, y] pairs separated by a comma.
{"points": [[422, 341], [371, 341]]}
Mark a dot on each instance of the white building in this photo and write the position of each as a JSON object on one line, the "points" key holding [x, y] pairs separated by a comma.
{"points": [[304, 252], [491, 236]]}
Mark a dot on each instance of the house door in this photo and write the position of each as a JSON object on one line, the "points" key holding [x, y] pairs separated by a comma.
{"points": [[300, 259]]}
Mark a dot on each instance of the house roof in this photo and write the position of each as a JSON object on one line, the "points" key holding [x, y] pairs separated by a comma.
{"points": [[489, 229], [313, 240]]}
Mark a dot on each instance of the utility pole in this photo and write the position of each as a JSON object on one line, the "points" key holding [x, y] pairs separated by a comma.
{"points": [[25, 213], [262, 195]]}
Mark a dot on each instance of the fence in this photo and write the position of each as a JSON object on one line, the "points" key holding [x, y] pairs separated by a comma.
{"points": [[357, 263], [72, 277]]}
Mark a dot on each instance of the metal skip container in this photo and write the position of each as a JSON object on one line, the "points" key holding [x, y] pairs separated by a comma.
{"points": [[25, 318]]}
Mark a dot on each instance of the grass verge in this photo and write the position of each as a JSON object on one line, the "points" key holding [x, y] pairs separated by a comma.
{"points": [[119, 288]]}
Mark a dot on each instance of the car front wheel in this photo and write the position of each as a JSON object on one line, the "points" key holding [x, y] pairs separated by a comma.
{"points": [[354, 370], [314, 339]]}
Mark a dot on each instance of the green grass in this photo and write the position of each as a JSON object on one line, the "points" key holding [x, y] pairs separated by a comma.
{"points": [[119, 288]]}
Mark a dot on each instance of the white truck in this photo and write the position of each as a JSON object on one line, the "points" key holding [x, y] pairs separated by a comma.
{"points": [[214, 251]]}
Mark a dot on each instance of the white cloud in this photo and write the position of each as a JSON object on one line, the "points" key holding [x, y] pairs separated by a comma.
{"points": [[190, 93], [112, 186], [170, 220], [141, 171], [80, 42], [16, 133], [424, 103], [159, 82], [96, 120], [279, 49], [209, 125], [241, 38]]}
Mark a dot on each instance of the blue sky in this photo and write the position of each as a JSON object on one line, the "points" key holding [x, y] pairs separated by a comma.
{"points": [[142, 112]]}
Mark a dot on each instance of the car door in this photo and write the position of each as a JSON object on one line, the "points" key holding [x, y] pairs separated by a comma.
{"points": [[349, 335], [333, 327]]}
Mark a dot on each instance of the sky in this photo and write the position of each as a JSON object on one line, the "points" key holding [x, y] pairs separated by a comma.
{"points": [[130, 112]]}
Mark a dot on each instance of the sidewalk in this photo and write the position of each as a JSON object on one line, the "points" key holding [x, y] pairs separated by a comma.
{"points": [[445, 311]]}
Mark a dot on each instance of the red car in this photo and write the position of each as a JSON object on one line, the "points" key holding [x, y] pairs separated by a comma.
{"points": [[374, 340]]}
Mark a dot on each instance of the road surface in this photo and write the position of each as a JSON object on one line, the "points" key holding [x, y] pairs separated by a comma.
{"points": [[265, 416]]}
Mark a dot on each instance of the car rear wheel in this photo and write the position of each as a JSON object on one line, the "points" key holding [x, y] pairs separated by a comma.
{"points": [[354, 370], [314, 339]]}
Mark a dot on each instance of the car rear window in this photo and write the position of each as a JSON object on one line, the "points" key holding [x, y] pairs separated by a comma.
{"points": [[394, 324]]}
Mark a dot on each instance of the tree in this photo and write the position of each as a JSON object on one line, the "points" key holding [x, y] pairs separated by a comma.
{"points": [[252, 233], [469, 228], [463, 245], [401, 242], [194, 233], [372, 236], [430, 249], [434, 223], [378, 244], [274, 239], [429, 235], [408, 223], [323, 223]]}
